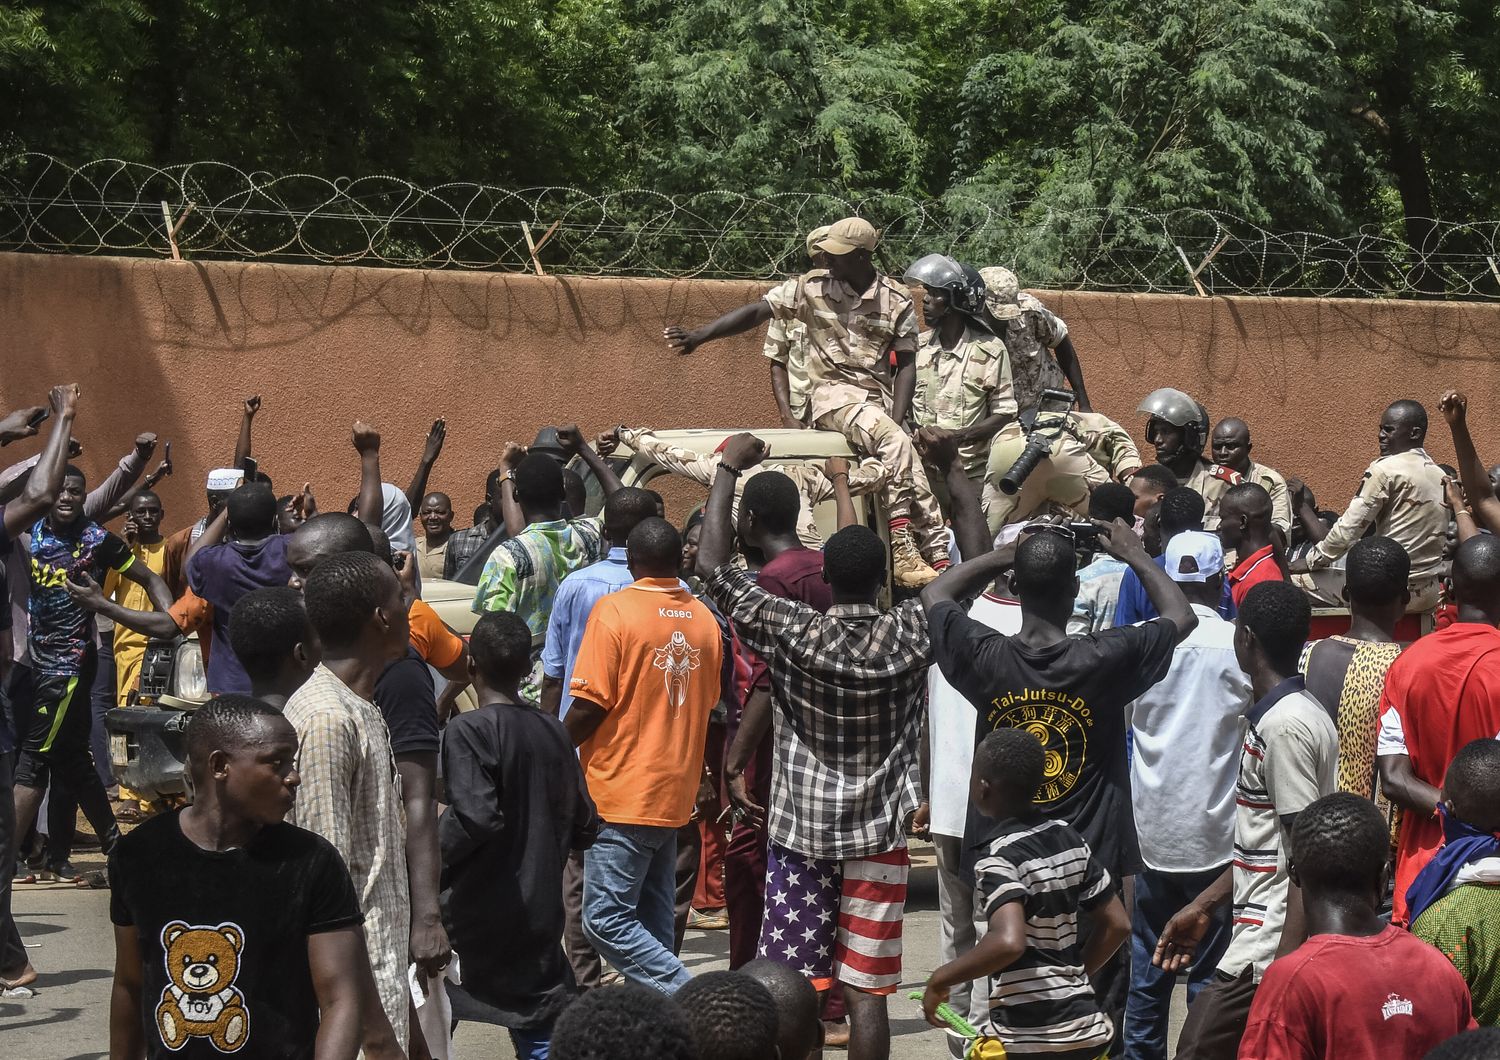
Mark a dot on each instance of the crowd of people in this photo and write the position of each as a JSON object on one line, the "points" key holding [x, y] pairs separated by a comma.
{"points": [[1096, 685]]}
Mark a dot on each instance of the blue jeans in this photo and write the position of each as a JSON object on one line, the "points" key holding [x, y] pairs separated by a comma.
{"points": [[629, 893], [530, 1045], [1158, 896]]}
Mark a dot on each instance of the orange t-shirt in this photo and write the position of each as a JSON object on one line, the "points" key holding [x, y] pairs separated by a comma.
{"points": [[650, 657], [438, 645]]}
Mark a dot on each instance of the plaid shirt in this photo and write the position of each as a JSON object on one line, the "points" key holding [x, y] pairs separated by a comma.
{"points": [[462, 545], [850, 688], [350, 795]]}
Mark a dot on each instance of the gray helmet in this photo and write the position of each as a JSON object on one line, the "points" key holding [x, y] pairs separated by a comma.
{"points": [[962, 284], [1180, 410]]}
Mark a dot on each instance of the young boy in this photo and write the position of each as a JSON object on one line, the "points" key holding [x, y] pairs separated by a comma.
{"points": [[517, 805], [1358, 987], [275, 643], [1455, 899], [234, 930], [1033, 877]]}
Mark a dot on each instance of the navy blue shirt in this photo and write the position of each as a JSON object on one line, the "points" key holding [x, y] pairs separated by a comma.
{"points": [[1135, 606]]}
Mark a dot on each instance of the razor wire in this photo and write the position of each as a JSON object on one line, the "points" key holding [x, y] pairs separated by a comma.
{"points": [[210, 210]]}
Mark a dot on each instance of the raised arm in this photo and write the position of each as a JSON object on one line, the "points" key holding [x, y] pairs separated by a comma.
{"points": [[1471, 470], [40, 491], [119, 483], [734, 322], [371, 506], [510, 512], [212, 535], [716, 547], [837, 470], [247, 420], [430, 453], [573, 442], [161, 471]]}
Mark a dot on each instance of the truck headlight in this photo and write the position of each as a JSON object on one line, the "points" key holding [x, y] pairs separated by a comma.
{"points": [[188, 679]]}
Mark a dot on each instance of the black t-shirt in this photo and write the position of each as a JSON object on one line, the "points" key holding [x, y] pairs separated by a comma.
{"points": [[223, 936], [404, 695], [1072, 697]]}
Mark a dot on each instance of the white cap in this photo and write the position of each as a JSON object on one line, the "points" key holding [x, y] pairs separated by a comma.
{"points": [[223, 479], [1194, 556]]}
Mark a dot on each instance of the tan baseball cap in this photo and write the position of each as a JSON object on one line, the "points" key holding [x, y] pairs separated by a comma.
{"points": [[1002, 292], [852, 233], [813, 237]]}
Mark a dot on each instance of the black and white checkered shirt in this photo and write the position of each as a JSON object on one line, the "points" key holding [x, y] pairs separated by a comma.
{"points": [[850, 689]]}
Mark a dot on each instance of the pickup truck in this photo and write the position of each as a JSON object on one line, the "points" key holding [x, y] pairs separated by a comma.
{"points": [[146, 741]]}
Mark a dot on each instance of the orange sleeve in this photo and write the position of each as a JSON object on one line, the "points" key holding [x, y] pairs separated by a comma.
{"points": [[596, 671], [438, 645], [192, 613]]}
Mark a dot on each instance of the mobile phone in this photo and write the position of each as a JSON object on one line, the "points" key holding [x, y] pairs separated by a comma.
{"points": [[251, 467], [39, 417]]}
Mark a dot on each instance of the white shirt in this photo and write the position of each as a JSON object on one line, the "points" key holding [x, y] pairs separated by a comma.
{"points": [[1187, 733], [953, 725]]}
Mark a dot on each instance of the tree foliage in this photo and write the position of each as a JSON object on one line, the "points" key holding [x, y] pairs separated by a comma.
{"points": [[1319, 114]]}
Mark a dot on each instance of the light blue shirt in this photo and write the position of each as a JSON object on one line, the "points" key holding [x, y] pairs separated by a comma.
{"points": [[576, 596]]}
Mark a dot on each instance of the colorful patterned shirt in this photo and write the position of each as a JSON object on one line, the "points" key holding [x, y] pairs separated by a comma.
{"points": [[61, 632], [1464, 925], [523, 573]]}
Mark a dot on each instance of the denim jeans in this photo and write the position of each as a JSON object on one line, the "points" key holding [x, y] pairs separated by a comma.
{"points": [[530, 1045], [629, 893], [1158, 896]]}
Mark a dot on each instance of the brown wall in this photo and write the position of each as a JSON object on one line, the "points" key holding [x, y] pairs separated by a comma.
{"points": [[174, 346]]}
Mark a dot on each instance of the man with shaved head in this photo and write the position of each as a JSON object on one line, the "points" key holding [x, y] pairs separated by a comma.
{"points": [[1440, 694], [1402, 497], [1231, 447], [1245, 522], [435, 513]]}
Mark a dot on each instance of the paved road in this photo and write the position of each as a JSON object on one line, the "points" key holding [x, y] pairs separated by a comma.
{"points": [[69, 935]]}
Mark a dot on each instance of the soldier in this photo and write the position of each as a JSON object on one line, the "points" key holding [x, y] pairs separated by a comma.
{"points": [[1042, 356], [963, 373], [1089, 449], [1402, 496], [1231, 448], [1178, 429], [857, 320], [786, 349]]}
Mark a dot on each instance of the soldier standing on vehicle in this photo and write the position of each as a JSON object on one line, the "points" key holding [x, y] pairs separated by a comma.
{"points": [[963, 373], [1042, 356], [1402, 496], [1177, 428]]}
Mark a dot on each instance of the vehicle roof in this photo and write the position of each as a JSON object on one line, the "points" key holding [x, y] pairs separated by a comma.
{"points": [[785, 443]]}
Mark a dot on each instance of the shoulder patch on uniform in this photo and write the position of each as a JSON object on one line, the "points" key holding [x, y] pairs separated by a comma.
{"points": [[1226, 474]]}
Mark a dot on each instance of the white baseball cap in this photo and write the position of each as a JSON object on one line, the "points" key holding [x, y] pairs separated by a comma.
{"points": [[1194, 556]]}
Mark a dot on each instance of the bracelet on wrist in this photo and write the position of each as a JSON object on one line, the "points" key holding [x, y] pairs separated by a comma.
{"points": [[734, 472]]}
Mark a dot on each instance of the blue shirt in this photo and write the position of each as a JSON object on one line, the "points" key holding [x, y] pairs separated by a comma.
{"points": [[1135, 606], [576, 596]]}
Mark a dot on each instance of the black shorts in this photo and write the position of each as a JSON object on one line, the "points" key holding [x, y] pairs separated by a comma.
{"points": [[1217, 1018], [55, 730]]}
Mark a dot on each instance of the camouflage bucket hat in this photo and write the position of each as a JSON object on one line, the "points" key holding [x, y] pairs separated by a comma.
{"points": [[1002, 292]]}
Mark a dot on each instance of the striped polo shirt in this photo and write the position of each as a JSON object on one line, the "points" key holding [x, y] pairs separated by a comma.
{"points": [[1289, 760], [1043, 1004]]}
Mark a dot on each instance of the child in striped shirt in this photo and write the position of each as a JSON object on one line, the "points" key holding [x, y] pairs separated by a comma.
{"points": [[1033, 877]]}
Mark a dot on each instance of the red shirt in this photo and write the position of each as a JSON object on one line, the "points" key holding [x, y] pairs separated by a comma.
{"points": [[1445, 688], [796, 574], [1259, 566], [1343, 998]]}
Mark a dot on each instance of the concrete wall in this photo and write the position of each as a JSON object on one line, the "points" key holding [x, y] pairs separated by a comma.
{"points": [[174, 346]]}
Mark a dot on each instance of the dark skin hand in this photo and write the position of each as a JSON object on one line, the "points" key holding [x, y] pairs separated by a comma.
{"points": [[242, 446], [430, 453], [39, 493], [510, 508], [735, 322], [371, 502], [755, 722], [17, 425], [574, 443], [1471, 470], [158, 625], [430, 949], [781, 388]]}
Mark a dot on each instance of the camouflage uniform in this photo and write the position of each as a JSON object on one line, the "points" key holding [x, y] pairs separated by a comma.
{"points": [[1402, 496], [1281, 497], [1032, 332], [1108, 443], [1212, 481], [959, 387], [786, 344], [850, 337]]}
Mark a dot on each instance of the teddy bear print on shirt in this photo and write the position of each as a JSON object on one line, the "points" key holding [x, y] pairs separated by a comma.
{"points": [[200, 1000]]}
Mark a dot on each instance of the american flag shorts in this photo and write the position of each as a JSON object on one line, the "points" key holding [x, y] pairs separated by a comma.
{"points": [[836, 921]]}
